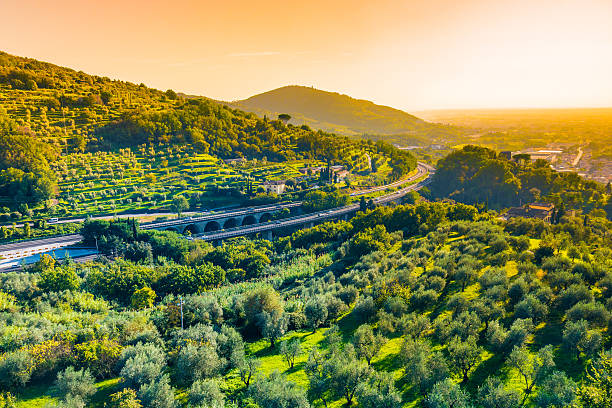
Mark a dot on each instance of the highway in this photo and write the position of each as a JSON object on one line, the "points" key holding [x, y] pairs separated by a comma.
{"points": [[422, 170], [398, 183], [108, 217], [214, 216], [19, 249], [189, 214], [33, 246]]}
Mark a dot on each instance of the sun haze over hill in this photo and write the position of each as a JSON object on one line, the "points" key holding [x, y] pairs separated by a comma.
{"points": [[332, 111]]}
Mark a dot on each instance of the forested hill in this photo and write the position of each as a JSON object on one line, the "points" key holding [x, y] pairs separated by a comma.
{"points": [[46, 110], [478, 175], [332, 111], [74, 112]]}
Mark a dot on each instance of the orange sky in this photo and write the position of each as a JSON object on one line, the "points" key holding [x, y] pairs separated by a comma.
{"points": [[408, 54]]}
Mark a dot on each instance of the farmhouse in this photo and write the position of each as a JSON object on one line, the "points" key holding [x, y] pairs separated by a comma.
{"points": [[240, 160], [341, 175], [542, 211], [311, 171], [274, 186]]}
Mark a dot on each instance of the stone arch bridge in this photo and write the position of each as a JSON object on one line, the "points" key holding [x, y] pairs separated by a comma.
{"points": [[225, 220]]}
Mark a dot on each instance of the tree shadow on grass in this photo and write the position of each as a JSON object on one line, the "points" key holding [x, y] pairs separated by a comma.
{"points": [[408, 391], [266, 351], [105, 389], [551, 332], [490, 367], [296, 367], [347, 325], [389, 363]]}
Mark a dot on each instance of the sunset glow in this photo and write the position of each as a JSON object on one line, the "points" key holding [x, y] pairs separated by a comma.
{"points": [[409, 54]]}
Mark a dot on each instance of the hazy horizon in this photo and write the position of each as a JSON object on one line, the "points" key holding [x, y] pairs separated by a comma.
{"points": [[410, 55]]}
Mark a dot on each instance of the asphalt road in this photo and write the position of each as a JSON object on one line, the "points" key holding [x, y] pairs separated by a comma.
{"points": [[224, 214], [323, 215], [73, 238], [398, 183], [62, 239], [65, 240]]}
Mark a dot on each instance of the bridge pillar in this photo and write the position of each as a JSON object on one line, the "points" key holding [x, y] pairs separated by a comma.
{"points": [[309, 224], [267, 235], [345, 217]]}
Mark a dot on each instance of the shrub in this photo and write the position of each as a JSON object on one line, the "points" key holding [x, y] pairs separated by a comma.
{"points": [[158, 393], [15, 369], [57, 279], [75, 383], [206, 393], [315, 312], [197, 362], [99, 355], [143, 364], [125, 398], [143, 298]]}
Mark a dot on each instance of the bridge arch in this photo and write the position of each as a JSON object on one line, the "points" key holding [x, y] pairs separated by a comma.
{"points": [[265, 217], [192, 228], [230, 223], [249, 220], [212, 226]]}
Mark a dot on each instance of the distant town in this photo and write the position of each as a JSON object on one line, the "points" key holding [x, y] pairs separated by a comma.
{"points": [[564, 159]]}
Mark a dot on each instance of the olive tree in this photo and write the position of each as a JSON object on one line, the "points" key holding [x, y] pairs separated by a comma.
{"points": [[532, 368], [445, 394], [315, 312], [290, 350], [275, 391], [493, 394], [75, 383], [379, 392], [556, 391], [367, 344], [206, 393], [423, 367], [464, 355]]}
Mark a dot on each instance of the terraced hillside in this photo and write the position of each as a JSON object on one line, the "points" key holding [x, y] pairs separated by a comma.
{"points": [[99, 145]]}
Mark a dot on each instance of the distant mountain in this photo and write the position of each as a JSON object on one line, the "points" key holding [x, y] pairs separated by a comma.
{"points": [[334, 112]]}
